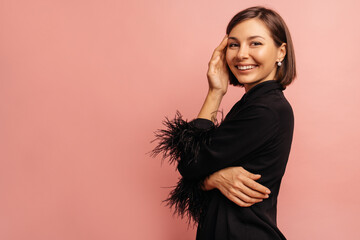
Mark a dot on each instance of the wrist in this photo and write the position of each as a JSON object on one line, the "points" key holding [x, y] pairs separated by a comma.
{"points": [[216, 93], [211, 105], [208, 183]]}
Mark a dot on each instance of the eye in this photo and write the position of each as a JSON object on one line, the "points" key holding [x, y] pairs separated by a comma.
{"points": [[256, 43], [231, 45]]}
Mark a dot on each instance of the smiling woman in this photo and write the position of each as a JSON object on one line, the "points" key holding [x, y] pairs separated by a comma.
{"points": [[251, 57], [231, 172], [262, 28]]}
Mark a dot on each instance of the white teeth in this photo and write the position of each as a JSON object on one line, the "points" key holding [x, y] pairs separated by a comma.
{"points": [[245, 67]]}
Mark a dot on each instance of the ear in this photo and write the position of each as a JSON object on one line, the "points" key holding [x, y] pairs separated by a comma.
{"points": [[282, 52]]}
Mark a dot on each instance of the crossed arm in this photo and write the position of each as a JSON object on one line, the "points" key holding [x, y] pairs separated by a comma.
{"points": [[238, 185]]}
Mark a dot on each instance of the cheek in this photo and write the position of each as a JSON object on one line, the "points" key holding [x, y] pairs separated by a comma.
{"points": [[264, 56], [260, 55]]}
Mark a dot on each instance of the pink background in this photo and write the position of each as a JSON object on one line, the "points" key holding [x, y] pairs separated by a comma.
{"points": [[84, 84]]}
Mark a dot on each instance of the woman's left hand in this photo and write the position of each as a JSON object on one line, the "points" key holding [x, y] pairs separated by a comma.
{"points": [[238, 185]]}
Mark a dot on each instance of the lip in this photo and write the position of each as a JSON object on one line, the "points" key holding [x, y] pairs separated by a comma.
{"points": [[246, 64], [246, 70]]}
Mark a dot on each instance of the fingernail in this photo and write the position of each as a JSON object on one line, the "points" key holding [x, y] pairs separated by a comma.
{"points": [[268, 191]]}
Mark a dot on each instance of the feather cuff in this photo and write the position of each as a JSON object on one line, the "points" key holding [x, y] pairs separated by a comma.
{"points": [[188, 199], [181, 141]]}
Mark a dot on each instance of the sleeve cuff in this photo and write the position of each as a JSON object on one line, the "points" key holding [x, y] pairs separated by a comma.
{"points": [[188, 200], [202, 123], [181, 139]]}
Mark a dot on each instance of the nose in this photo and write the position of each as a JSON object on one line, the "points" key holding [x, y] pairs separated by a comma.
{"points": [[243, 52]]}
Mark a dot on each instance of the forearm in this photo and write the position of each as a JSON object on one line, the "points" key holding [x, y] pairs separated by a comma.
{"points": [[211, 105]]}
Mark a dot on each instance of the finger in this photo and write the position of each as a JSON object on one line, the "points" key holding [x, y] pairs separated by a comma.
{"points": [[254, 176], [249, 174], [223, 43], [256, 186], [213, 63], [239, 201], [252, 193], [238, 198], [247, 198], [219, 50]]}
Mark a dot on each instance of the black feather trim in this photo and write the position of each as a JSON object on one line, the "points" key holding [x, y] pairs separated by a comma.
{"points": [[188, 200], [181, 141]]}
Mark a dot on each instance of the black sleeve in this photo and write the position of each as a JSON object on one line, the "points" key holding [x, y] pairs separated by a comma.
{"points": [[228, 143], [200, 147], [182, 140]]}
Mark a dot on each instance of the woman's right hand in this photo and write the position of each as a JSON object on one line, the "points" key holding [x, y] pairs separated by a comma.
{"points": [[218, 74], [238, 185]]}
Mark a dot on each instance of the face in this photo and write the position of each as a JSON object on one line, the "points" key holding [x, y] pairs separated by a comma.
{"points": [[251, 53]]}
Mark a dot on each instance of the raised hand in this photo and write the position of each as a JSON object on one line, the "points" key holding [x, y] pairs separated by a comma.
{"points": [[238, 185], [218, 74]]}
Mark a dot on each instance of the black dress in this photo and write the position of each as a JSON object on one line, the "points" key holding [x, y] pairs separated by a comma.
{"points": [[257, 135]]}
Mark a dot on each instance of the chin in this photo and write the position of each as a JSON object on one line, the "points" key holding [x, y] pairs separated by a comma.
{"points": [[246, 81]]}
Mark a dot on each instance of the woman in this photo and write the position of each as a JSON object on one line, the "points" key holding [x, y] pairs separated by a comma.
{"points": [[231, 172]]}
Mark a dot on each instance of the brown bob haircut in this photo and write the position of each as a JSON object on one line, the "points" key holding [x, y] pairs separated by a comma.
{"points": [[286, 73]]}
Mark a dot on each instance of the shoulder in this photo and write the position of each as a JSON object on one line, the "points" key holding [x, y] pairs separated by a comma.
{"points": [[275, 102], [255, 113]]}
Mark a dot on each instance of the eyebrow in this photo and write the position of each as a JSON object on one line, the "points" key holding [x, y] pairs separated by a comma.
{"points": [[251, 37]]}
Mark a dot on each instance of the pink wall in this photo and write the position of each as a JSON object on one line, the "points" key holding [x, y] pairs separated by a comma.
{"points": [[83, 85]]}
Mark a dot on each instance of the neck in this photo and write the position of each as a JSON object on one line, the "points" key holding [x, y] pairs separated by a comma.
{"points": [[250, 86]]}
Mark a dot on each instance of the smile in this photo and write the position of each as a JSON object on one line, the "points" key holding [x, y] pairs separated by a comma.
{"points": [[246, 67]]}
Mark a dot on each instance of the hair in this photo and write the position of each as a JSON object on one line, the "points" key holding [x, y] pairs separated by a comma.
{"points": [[286, 73]]}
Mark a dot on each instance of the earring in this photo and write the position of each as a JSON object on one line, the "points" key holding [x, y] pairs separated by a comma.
{"points": [[279, 64]]}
